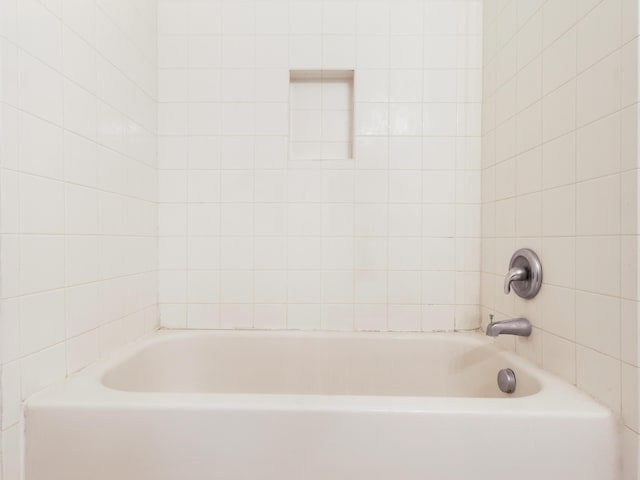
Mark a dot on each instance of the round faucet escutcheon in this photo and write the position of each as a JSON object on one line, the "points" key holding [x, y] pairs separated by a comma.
{"points": [[525, 274]]}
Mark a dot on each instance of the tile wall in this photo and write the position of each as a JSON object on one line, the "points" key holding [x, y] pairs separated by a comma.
{"points": [[78, 190], [559, 175], [252, 237]]}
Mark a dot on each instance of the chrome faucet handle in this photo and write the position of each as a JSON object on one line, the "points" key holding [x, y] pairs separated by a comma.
{"points": [[526, 271], [516, 274]]}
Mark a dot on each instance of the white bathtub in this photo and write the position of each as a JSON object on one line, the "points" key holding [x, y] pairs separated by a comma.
{"points": [[316, 406]]}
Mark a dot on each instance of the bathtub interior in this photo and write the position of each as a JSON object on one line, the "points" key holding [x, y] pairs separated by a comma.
{"points": [[433, 365]]}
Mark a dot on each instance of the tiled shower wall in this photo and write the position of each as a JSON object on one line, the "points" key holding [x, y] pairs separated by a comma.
{"points": [[559, 175], [78, 189], [252, 237]]}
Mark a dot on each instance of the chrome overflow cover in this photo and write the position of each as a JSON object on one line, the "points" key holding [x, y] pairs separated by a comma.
{"points": [[507, 380]]}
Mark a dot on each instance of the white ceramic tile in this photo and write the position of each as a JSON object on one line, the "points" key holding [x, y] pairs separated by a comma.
{"points": [[200, 51], [629, 20], [80, 111], [337, 287], [529, 39], [235, 152], [372, 85], [203, 287], [337, 220], [41, 263], [82, 263], [559, 357], [506, 100], [404, 287], [206, 118], [590, 310], [598, 148], [338, 253], [270, 287], [304, 317], [173, 18], [604, 78], [203, 316], [236, 286], [529, 171], [559, 211], [203, 17], [404, 253], [304, 253], [558, 62], [438, 288], [558, 162], [437, 318], [505, 140], [338, 51], [42, 369], [196, 252], [12, 453], [370, 317], [40, 89], [405, 318], [337, 317], [238, 18], [601, 273], [438, 153], [629, 332], [173, 51], [270, 219], [559, 311], [305, 51], [406, 51], [559, 111], [82, 351], [529, 84], [598, 206], [405, 220], [630, 454], [173, 315], [270, 316], [629, 383], [371, 220], [374, 19], [41, 321], [599, 33], [11, 394], [629, 73], [371, 187], [236, 253], [40, 32], [438, 187], [407, 18], [439, 119], [42, 205], [559, 17], [599, 375]]}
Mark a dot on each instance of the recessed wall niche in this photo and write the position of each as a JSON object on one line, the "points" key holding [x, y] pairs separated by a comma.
{"points": [[321, 114]]}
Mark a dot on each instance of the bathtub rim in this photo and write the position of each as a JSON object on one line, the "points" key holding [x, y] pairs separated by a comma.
{"points": [[85, 388]]}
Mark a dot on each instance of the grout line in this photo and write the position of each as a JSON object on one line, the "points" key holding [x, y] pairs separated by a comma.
{"points": [[253, 173], [575, 203], [388, 163]]}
